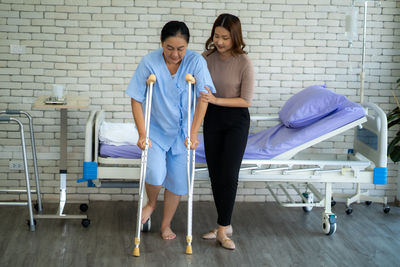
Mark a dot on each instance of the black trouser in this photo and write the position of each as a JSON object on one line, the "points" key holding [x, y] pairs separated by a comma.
{"points": [[225, 139]]}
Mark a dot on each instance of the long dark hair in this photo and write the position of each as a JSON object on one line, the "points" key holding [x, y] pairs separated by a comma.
{"points": [[174, 28], [232, 24]]}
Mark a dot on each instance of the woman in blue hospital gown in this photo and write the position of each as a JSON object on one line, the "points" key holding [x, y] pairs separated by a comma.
{"points": [[166, 165]]}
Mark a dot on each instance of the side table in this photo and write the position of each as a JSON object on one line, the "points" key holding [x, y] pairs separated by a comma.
{"points": [[72, 102]]}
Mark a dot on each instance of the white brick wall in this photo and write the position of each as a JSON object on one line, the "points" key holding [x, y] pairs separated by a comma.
{"points": [[94, 46]]}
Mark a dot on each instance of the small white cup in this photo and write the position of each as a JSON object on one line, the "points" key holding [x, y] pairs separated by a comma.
{"points": [[58, 91]]}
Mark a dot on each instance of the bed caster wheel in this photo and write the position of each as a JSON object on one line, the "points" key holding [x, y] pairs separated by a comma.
{"points": [[307, 209], [146, 226], [85, 222], [349, 211], [386, 209], [329, 224], [310, 199], [368, 203], [83, 207]]}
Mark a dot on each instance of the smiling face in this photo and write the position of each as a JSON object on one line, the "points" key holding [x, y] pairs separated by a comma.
{"points": [[174, 49], [222, 40]]}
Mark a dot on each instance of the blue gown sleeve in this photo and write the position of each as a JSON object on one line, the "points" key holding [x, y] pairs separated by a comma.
{"points": [[203, 77], [137, 86]]}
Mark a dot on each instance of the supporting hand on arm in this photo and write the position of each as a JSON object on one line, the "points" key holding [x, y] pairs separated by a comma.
{"points": [[226, 102]]}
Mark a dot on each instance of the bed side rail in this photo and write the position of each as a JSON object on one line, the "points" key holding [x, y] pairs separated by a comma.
{"points": [[371, 141], [91, 147], [100, 116], [89, 135], [263, 118]]}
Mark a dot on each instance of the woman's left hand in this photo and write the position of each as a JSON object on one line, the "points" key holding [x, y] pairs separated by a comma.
{"points": [[208, 97], [193, 140]]}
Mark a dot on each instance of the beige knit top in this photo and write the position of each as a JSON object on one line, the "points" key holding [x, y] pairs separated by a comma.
{"points": [[232, 77]]}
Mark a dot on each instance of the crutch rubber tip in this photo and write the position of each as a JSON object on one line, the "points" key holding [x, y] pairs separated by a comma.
{"points": [[189, 249], [136, 252]]}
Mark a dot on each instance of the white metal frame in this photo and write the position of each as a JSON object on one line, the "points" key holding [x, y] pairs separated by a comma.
{"points": [[28, 190]]}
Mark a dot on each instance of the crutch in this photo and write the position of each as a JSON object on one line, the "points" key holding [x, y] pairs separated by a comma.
{"points": [[33, 145], [150, 82], [28, 187], [190, 164]]}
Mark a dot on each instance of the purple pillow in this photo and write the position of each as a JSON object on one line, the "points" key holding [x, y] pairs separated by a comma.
{"points": [[309, 105]]}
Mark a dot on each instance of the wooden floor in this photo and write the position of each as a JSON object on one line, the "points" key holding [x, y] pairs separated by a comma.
{"points": [[265, 234]]}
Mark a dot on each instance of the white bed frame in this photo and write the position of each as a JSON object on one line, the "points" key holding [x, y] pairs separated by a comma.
{"points": [[364, 165]]}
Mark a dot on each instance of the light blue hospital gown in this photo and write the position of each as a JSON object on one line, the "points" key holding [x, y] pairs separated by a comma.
{"points": [[168, 122]]}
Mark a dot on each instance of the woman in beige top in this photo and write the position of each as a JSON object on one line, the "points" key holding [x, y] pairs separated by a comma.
{"points": [[227, 121]]}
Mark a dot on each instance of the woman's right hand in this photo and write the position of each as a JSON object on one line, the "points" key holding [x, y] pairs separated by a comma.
{"points": [[141, 143]]}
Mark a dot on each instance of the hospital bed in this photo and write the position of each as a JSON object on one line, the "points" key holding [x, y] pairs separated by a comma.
{"points": [[285, 162]]}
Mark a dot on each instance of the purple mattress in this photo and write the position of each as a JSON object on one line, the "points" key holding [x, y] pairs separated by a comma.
{"points": [[267, 143], [125, 151]]}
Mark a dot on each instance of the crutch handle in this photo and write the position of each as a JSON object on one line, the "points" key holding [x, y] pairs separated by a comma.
{"points": [[151, 79], [189, 78]]}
